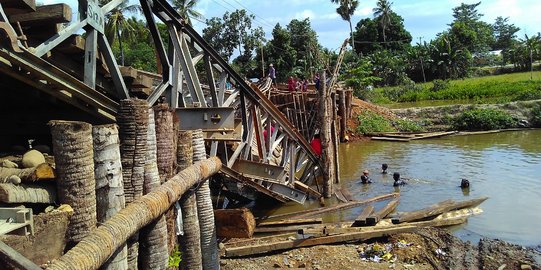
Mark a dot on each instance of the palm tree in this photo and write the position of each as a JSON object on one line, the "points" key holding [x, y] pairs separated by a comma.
{"points": [[117, 25], [383, 12], [346, 10], [186, 9], [531, 44]]}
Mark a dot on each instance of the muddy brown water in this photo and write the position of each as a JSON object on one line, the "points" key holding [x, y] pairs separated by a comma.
{"points": [[506, 167]]}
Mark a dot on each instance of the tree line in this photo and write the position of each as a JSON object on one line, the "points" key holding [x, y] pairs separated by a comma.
{"points": [[382, 51]]}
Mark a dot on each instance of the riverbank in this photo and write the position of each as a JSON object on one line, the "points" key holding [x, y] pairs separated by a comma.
{"points": [[428, 248], [438, 118]]}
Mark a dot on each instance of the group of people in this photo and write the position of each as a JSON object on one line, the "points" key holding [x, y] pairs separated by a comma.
{"points": [[365, 179], [294, 84]]}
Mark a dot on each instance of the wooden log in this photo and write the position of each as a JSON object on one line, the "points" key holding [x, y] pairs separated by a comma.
{"points": [[52, 14], [327, 147], [42, 172], [290, 222], [382, 213], [109, 184], [190, 240], [437, 209], [361, 219], [390, 139], [283, 229], [234, 223], [323, 210], [347, 205], [103, 241], [18, 6], [433, 135], [10, 193], [133, 128], [289, 244], [14, 258], [76, 183], [153, 252]]}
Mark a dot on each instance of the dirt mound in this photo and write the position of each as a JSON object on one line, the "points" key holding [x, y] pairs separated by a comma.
{"points": [[357, 107]]}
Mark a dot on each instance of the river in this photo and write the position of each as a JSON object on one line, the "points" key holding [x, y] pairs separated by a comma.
{"points": [[506, 167]]}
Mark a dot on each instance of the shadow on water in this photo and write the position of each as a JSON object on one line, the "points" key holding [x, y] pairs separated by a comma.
{"points": [[503, 166]]}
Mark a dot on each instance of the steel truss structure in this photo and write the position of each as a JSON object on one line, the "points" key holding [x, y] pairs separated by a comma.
{"points": [[258, 144]]}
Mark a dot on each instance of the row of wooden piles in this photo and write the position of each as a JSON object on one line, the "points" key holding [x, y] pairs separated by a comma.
{"points": [[101, 169], [302, 108], [306, 228], [35, 24]]}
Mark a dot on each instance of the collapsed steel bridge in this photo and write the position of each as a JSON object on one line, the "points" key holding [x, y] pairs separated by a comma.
{"points": [[235, 121]]}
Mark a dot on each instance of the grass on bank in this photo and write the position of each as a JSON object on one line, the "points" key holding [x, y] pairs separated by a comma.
{"points": [[370, 122], [498, 88]]}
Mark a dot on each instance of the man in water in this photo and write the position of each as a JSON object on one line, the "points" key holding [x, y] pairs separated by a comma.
{"points": [[384, 168], [365, 179], [464, 183], [397, 180]]}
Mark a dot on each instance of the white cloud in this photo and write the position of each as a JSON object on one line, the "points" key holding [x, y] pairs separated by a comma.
{"points": [[307, 13]]}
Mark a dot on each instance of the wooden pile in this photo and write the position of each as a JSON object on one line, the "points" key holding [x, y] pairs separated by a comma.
{"points": [[303, 229]]}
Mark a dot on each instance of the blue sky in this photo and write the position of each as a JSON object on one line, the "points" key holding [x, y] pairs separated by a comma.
{"points": [[422, 18]]}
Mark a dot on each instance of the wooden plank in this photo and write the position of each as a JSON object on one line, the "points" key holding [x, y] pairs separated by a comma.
{"points": [[340, 196], [437, 209], [290, 222], [234, 223], [344, 206], [433, 135], [14, 258], [361, 219], [382, 213], [289, 244], [283, 229], [18, 6], [346, 194], [389, 139], [56, 13]]}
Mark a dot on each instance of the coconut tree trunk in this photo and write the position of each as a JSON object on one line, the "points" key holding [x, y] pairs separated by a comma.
{"points": [[327, 159], [165, 146], [103, 241], [205, 212], [133, 123], [74, 158], [352, 39], [190, 240], [152, 238], [109, 185]]}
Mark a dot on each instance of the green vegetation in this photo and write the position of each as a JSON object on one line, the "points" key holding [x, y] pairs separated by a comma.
{"points": [[500, 88], [370, 122], [483, 119], [536, 116], [175, 258]]}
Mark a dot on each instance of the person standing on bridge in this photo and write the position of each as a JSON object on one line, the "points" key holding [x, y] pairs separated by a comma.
{"points": [[272, 74]]}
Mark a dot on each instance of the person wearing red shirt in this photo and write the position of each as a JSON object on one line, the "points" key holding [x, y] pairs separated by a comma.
{"points": [[316, 144]]}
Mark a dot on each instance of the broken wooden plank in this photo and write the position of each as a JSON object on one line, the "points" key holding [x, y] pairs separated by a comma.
{"points": [[361, 219], [382, 213], [234, 223], [52, 14], [344, 206], [10, 193], [289, 244], [283, 229], [41, 172], [14, 258], [346, 194], [340, 196], [290, 222], [437, 209], [307, 189]]}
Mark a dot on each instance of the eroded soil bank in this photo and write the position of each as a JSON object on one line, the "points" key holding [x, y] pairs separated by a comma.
{"points": [[426, 249]]}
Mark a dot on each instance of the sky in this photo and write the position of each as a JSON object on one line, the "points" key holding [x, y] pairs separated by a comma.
{"points": [[422, 18]]}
